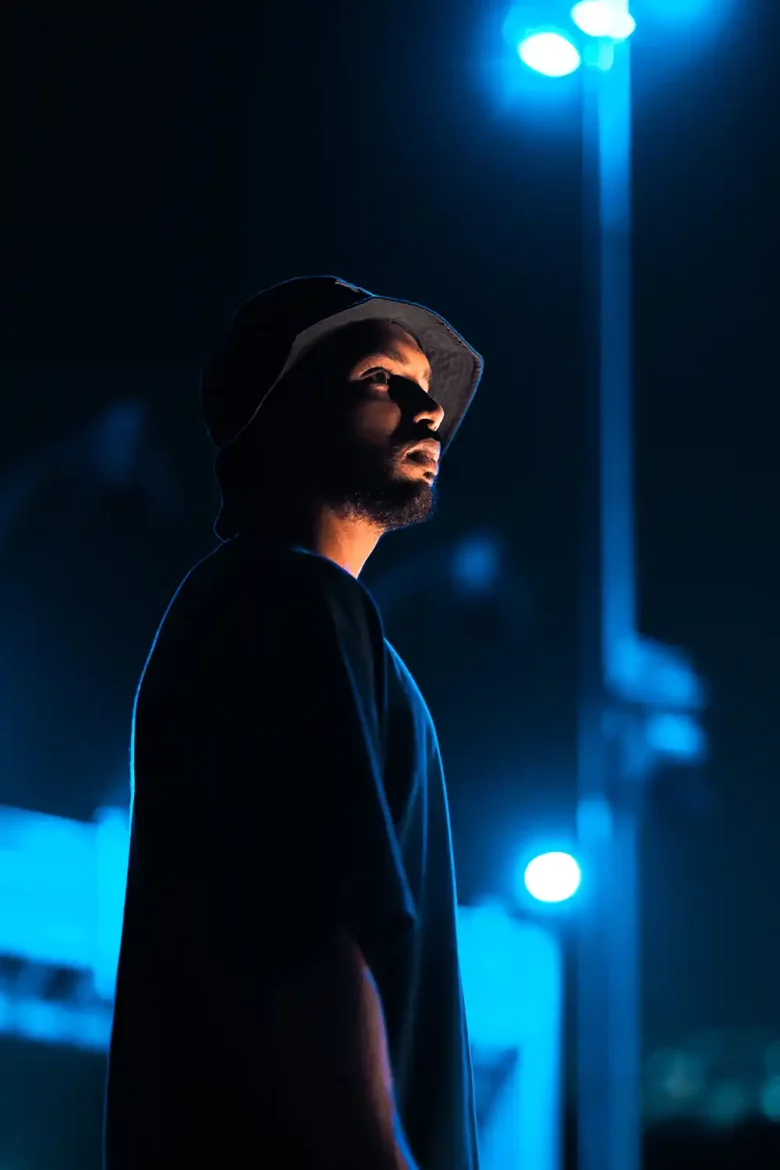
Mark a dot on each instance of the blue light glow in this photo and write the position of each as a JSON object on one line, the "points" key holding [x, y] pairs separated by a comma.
{"points": [[62, 1024], [676, 30], [728, 1103], [683, 11], [550, 53], [770, 1099], [512, 973], [600, 18], [476, 563], [530, 100], [677, 735], [552, 877]]}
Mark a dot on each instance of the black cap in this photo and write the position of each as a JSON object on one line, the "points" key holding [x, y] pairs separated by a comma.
{"points": [[273, 330]]}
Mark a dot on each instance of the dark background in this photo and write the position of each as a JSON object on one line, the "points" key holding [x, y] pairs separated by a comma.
{"points": [[160, 167]]}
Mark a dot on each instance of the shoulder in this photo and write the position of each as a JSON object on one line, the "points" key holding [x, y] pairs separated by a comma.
{"points": [[249, 588], [405, 680], [290, 575]]}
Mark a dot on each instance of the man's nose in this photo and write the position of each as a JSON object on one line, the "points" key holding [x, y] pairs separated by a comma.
{"points": [[416, 401], [431, 413]]}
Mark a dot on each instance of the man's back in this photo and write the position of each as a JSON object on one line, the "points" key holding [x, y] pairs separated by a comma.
{"points": [[286, 783]]}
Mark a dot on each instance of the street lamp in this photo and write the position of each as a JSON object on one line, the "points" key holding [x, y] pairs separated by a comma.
{"points": [[553, 51], [636, 697]]}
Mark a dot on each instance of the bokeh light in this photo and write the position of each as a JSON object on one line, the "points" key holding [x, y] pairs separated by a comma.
{"points": [[549, 53], [552, 877], [599, 19]]}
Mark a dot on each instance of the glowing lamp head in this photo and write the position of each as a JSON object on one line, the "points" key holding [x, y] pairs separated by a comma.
{"points": [[552, 877], [549, 53], [603, 18]]}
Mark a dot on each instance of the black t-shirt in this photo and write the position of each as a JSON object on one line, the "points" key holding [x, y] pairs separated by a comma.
{"points": [[287, 784]]}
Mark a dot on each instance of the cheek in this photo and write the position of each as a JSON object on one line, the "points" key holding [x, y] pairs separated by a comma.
{"points": [[375, 422]]}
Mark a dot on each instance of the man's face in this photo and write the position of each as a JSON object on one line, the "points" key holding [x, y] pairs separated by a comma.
{"points": [[372, 446]]}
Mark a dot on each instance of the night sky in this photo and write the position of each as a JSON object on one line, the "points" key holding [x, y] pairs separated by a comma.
{"points": [[160, 169]]}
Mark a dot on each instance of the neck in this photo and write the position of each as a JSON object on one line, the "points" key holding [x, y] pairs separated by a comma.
{"points": [[347, 540]]}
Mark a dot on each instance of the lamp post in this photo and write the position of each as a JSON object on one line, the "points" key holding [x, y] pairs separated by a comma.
{"points": [[608, 1008], [628, 686]]}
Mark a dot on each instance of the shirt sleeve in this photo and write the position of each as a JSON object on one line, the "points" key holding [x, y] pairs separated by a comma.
{"points": [[308, 833]]}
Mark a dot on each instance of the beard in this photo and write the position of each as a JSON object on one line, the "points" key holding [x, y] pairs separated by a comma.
{"points": [[367, 483], [371, 485]]}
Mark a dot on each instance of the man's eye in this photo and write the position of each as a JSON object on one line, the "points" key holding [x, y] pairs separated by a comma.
{"points": [[379, 375]]}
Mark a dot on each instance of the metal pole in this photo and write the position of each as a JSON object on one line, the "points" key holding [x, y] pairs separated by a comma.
{"points": [[608, 811]]}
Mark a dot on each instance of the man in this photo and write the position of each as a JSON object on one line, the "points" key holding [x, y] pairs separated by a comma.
{"points": [[289, 992]]}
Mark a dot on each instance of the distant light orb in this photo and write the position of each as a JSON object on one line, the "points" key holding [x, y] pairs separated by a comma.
{"points": [[552, 877], [728, 1103], [477, 563], [600, 18], [549, 53]]}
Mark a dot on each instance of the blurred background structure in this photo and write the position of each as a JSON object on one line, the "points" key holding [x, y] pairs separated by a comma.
{"points": [[590, 194]]}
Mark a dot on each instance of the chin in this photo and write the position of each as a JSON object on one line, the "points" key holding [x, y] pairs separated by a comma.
{"points": [[415, 509], [398, 503]]}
